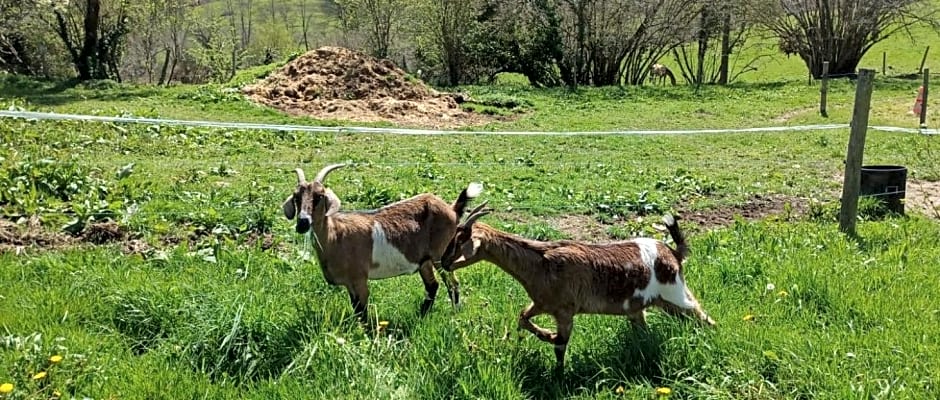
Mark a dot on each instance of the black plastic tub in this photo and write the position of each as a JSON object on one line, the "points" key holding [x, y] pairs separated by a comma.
{"points": [[886, 183]]}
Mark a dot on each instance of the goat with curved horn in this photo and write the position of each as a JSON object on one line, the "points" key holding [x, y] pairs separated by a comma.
{"points": [[405, 237]]}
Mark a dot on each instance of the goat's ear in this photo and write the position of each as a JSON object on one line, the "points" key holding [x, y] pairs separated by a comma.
{"points": [[289, 209], [332, 202]]}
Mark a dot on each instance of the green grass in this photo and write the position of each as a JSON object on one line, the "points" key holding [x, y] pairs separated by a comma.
{"points": [[219, 316]]}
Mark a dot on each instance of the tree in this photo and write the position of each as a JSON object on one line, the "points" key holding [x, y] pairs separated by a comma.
{"points": [[841, 31], [722, 27], [612, 42], [219, 49], [155, 45], [14, 43], [520, 36], [305, 22], [376, 20], [94, 35], [443, 35]]}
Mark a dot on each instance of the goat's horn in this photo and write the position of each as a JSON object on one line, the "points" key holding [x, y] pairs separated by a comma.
{"points": [[476, 215], [477, 208], [326, 170], [301, 179]]}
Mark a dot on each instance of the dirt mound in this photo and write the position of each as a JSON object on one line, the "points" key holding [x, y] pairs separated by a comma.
{"points": [[29, 233], [339, 83], [26, 234], [104, 232]]}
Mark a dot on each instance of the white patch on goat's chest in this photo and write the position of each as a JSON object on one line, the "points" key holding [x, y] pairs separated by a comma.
{"points": [[671, 292], [387, 261]]}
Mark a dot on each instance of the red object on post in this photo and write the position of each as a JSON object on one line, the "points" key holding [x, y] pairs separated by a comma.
{"points": [[919, 103]]}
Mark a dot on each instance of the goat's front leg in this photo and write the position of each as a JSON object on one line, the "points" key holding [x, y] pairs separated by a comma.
{"points": [[451, 284], [426, 270], [525, 322], [359, 297]]}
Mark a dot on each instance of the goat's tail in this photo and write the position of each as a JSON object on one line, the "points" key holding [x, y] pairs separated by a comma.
{"points": [[472, 190], [682, 248]]}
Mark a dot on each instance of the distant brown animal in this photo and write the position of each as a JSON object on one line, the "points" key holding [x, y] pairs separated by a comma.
{"points": [[565, 278], [660, 72]]}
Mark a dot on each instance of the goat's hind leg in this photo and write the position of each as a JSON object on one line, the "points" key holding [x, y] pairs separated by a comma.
{"points": [[638, 320], [426, 270], [680, 302]]}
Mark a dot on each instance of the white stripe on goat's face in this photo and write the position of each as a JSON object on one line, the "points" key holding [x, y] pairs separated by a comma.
{"points": [[671, 292], [387, 261]]}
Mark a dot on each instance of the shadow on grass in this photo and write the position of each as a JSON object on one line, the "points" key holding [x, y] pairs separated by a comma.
{"points": [[628, 355], [62, 92]]}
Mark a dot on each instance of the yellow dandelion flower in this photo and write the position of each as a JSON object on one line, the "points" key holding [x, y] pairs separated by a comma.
{"points": [[383, 324], [6, 388], [55, 359], [749, 317], [663, 391], [56, 393], [783, 293], [39, 375], [619, 390]]}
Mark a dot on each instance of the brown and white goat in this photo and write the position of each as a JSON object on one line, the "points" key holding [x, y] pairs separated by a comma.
{"points": [[659, 73], [397, 239], [564, 278]]}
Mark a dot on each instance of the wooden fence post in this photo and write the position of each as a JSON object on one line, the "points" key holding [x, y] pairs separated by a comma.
{"points": [[884, 63], [824, 89], [923, 105], [923, 60], [856, 151]]}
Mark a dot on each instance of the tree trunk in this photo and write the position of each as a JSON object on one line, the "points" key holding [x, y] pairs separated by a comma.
{"points": [[164, 69], [725, 49], [702, 47], [89, 68]]}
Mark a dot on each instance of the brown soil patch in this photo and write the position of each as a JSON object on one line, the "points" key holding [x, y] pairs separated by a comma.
{"points": [[17, 237], [21, 236], [923, 197], [265, 240], [584, 227], [787, 116], [756, 208], [580, 227], [344, 84], [103, 232]]}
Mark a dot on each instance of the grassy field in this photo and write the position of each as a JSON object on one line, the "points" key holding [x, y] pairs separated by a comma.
{"points": [[192, 304], [180, 278]]}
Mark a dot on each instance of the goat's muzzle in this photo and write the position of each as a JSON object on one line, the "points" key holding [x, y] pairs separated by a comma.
{"points": [[303, 222]]}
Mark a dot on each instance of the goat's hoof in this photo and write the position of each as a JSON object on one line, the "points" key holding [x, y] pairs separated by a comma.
{"points": [[426, 307]]}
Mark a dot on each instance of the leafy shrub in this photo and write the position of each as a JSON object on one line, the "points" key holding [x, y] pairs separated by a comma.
{"points": [[683, 184], [38, 186]]}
